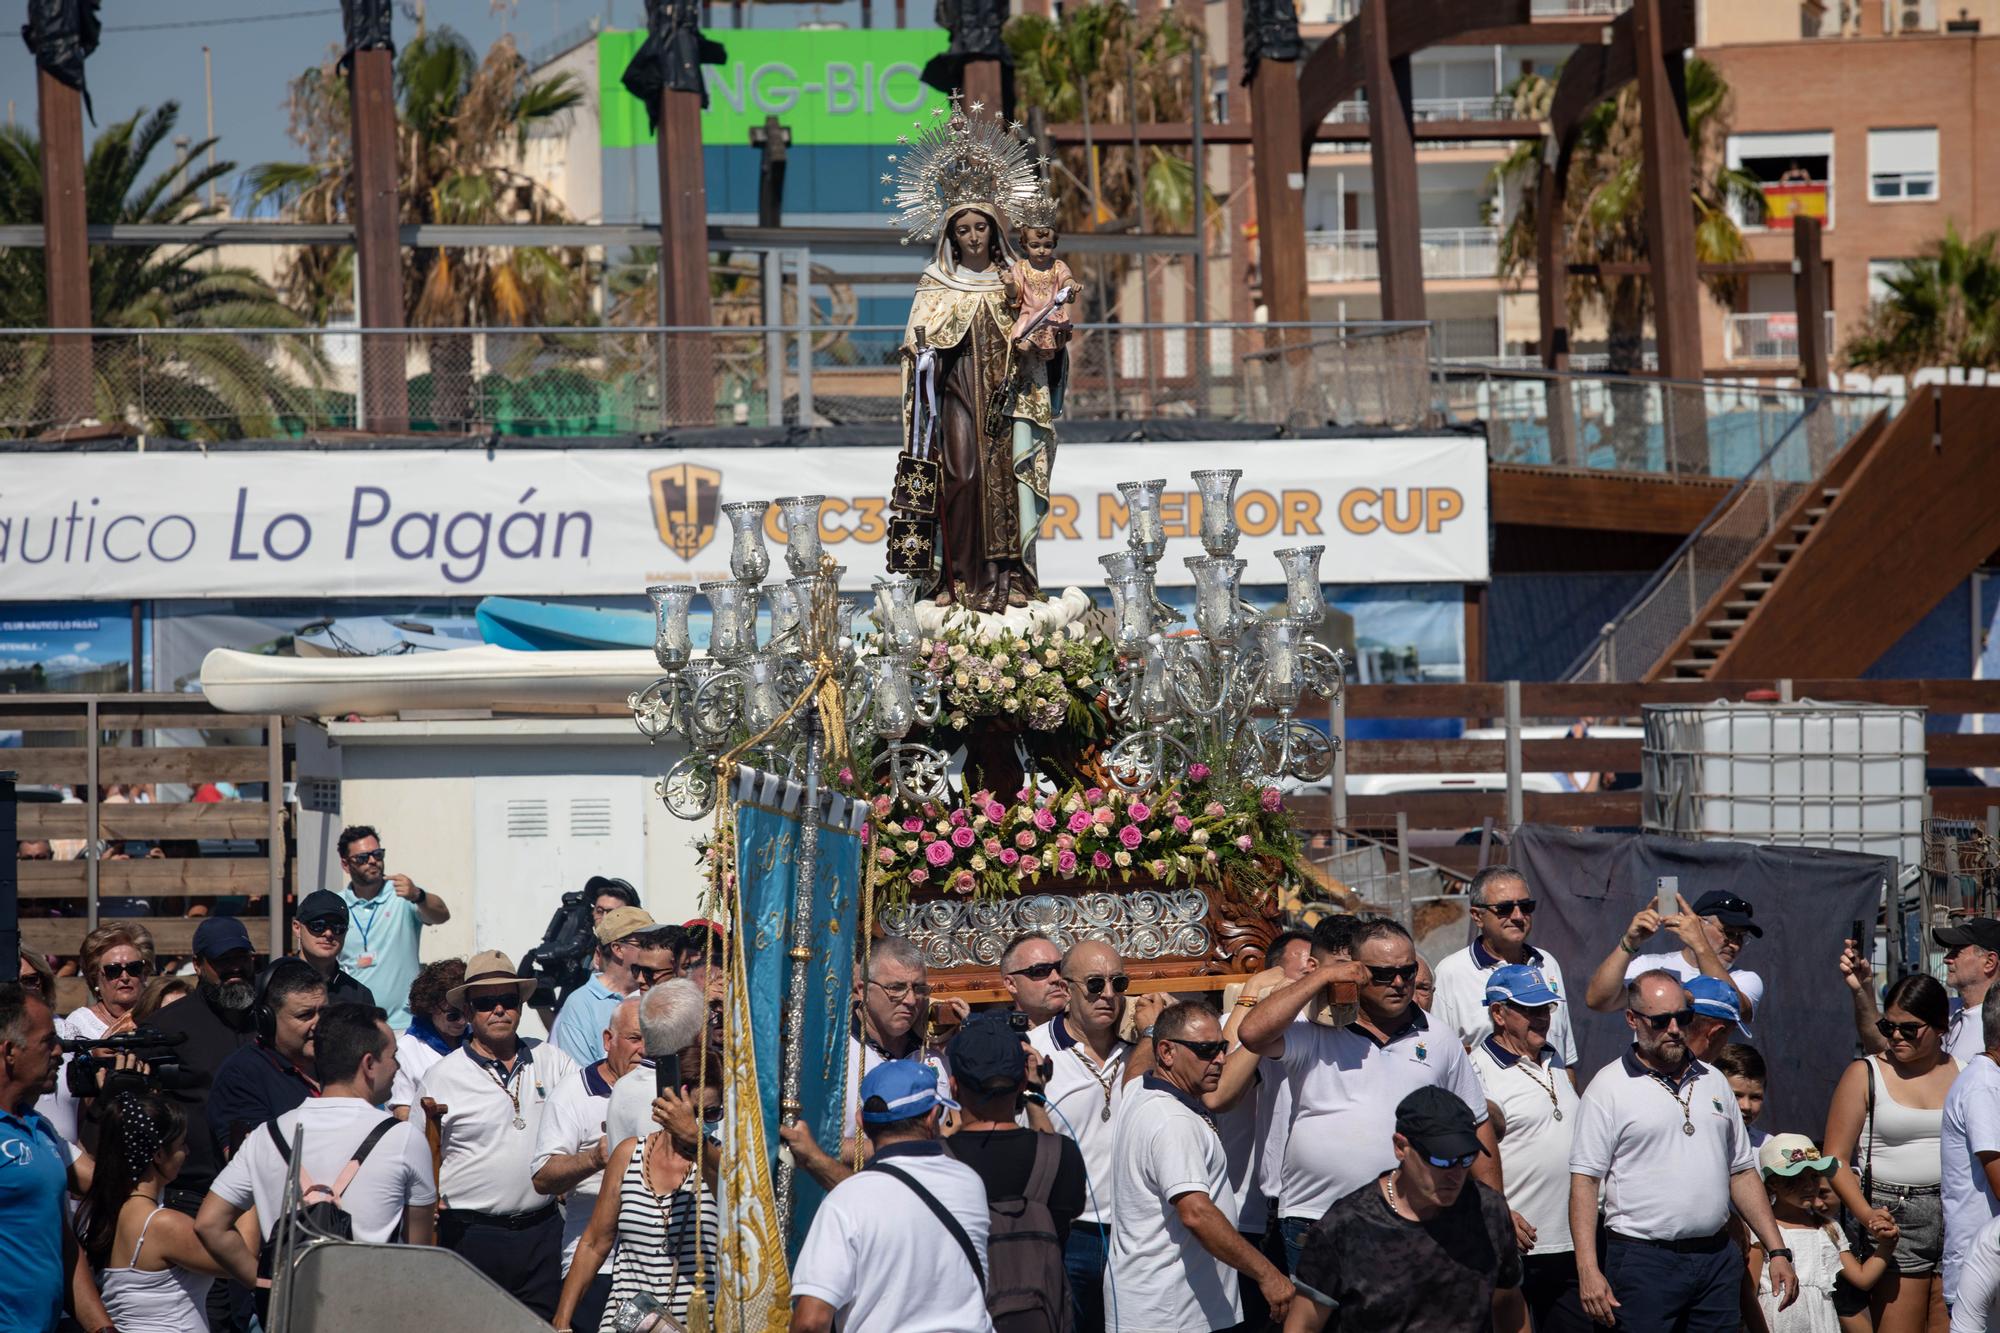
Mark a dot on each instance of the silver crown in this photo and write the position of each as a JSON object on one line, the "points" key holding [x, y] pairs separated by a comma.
{"points": [[958, 157]]}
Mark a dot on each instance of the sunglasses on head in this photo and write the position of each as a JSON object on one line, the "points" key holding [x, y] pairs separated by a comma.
{"points": [[375, 855], [1907, 1031], [113, 971], [1452, 1163], [1525, 906], [480, 1004], [1388, 976], [1036, 971], [1205, 1051], [1094, 986], [1658, 1022]]}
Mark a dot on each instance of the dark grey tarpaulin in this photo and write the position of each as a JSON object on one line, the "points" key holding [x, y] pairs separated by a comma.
{"points": [[1589, 886], [366, 25]]}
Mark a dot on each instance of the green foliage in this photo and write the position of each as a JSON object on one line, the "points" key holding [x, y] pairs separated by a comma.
{"points": [[1943, 309]]}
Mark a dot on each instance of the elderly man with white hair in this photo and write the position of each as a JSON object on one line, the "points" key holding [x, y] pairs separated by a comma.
{"points": [[671, 1015]]}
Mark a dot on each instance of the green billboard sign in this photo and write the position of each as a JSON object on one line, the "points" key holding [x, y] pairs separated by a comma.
{"points": [[828, 87]]}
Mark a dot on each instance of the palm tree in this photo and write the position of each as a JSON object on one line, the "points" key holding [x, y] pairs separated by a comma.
{"points": [[462, 126], [192, 385], [1604, 213], [1943, 309]]}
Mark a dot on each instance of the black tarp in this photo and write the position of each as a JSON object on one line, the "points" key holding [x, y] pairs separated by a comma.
{"points": [[671, 57], [366, 25], [1590, 885], [1270, 32], [61, 34]]}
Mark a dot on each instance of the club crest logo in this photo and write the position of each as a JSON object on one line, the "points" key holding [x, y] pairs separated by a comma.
{"points": [[684, 506], [1716, 1102], [1422, 1054]]}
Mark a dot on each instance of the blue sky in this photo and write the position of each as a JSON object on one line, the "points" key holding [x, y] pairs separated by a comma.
{"points": [[151, 53]]}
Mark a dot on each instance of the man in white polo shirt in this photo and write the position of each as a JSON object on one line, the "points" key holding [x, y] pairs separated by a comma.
{"points": [[391, 1195], [490, 1096], [1530, 1091], [1175, 1249], [1712, 935], [1503, 908], [571, 1148], [1969, 1148], [1660, 1144], [892, 1003], [1087, 1071], [1346, 1082], [901, 1246]]}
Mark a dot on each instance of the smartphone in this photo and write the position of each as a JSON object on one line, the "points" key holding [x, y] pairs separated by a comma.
{"points": [[1017, 1020], [1668, 891], [666, 1074], [1859, 936]]}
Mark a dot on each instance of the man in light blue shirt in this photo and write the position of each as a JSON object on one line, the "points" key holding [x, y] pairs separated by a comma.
{"points": [[385, 916], [633, 952]]}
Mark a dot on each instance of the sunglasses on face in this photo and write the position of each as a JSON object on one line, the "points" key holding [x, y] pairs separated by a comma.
{"points": [[113, 971], [1907, 1031], [1205, 1051], [480, 1004], [30, 981], [1452, 1163], [1036, 971], [1525, 906], [330, 928], [711, 1115], [646, 976], [1094, 986], [452, 1015], [1388, 976], [375, 855], [1658, 1022]]}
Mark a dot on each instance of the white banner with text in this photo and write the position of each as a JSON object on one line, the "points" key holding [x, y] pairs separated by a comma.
{"points": [[556, 522]]}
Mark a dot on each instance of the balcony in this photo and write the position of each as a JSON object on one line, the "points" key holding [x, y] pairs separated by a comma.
{"points": [[1449, 252], [1771, 335], [1341, 11], [1498, 107]]}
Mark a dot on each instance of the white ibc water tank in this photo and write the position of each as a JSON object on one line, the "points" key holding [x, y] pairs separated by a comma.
{"points": [[1846, 776]]}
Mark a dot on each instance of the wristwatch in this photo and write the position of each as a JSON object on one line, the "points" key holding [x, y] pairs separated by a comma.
{"points": [[422, 893], [1782, 1252], [1146, 1031]]}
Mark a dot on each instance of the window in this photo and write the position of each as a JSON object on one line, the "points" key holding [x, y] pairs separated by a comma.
{"points": [[1902, 165], [1794, 170]]}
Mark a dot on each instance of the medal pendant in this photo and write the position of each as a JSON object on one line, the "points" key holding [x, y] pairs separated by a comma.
{"points": [[1688, 1130], [1559, 1113], [1105, 1115], [365, 960], [522, 1124]]}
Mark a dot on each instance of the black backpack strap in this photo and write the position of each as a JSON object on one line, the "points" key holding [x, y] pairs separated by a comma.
{"points": [[943, 1215], [1042, 1175], [284, 1149]]}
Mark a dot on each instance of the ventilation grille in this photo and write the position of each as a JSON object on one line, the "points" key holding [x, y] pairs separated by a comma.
{"points": [[528, 819], [589, 817], [318, 796]]}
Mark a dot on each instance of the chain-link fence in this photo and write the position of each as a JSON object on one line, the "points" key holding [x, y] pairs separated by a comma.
{"points": [[265, 383]]}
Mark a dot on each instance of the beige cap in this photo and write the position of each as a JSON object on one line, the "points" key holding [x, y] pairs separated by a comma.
{"points": [[621, 922]]}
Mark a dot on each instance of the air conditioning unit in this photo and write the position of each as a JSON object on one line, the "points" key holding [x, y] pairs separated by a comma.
{"points": [[1914, 16]]}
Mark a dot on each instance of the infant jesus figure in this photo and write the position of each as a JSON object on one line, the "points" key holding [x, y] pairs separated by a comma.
{"points": [[1039, 277]]}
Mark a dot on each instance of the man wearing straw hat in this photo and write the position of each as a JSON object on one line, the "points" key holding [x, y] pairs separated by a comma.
{"points": [[487, 1098]]}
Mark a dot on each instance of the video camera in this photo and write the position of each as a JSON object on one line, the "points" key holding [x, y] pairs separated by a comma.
{"points": [[91, 1073], [561, 962]]}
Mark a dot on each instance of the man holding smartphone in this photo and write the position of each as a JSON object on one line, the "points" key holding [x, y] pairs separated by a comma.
{"points": [[1712, 934]]}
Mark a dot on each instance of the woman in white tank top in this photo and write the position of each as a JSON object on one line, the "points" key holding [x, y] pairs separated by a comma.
{"points": [[153, 1273], [1884, 1126]]}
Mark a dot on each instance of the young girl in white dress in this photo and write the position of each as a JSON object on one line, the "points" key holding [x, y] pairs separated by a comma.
{"points": [[1800, 1184]]}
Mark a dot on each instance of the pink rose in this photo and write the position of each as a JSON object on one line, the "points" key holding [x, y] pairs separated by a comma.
{"points": [[887, 856], [928, 837], [995, 811], [1025, 839], [920, 876], [1066, 863], [1209, 858], [992, 846], [958, 817], [1272, 800], [881, 804], [1107, 816], [964, 882], [1243, 843], [1182, 823], [938, 853], [1093, 794], [1101, 860], [1080, 822], [847, 777], [1045, 819], [963, 837], [1025, 794], [1008, 856], [982, 798], [1064, 842], [1139, 812], [1130, 837], [864, 833], [1214, 810], [1157, 868], [1197, 772], [912, 824], [1029, 867]]}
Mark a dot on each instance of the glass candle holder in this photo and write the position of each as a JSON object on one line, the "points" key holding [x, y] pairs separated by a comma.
{"points": [[1156, 701], [801, 514], [672, 646], [896, 613], [763, 692], [1119, 564], [784, 612], [749, 558], [1134, 602], [895, 703], [1281, 640], [1219, 532], [1305, 600], [732, 628], [1147, 534], [1215, 596]]}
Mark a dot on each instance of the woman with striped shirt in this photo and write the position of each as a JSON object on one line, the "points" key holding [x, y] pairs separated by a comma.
{"points": [[657, 1206]]}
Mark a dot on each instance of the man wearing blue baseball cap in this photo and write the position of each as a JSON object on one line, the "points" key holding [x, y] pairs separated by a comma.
{"points": [[1717, 1016], [899, 1247], [1532, 1090]]}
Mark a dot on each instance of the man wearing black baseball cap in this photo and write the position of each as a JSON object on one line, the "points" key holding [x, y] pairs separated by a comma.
{"points": [[1422, 1247], [319, 929], [1712, 934]]}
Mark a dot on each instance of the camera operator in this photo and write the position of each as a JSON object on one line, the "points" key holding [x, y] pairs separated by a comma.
{"points": [[262, 1081], [212, 1024]]}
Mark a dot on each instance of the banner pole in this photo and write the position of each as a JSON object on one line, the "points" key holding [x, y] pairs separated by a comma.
{"points": [[791, 1047]]}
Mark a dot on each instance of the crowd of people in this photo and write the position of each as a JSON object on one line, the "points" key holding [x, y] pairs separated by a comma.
{"points": [[1336, 1146]]}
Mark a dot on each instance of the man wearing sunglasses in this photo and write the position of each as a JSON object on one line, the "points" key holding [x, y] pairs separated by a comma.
{"points": [[489, 1098], [1175, 1254], [1661, 1147], [383, 928], [1503, 912], [1421, 1247], [1346, 1082], [1031, 970], [319, 932], [631, 955], [1712, 934]]}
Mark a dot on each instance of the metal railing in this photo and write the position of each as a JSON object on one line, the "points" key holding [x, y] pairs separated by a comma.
{"points": [[1448, 252], [1486, 106], [1653, 621], [1771, 335], [576, 382], [1341, 11]]}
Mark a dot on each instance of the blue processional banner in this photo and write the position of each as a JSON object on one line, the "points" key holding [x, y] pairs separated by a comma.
{"points": [[767, 842]]}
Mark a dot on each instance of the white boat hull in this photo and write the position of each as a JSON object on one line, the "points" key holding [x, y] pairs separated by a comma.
{"points": [[483, 677]]}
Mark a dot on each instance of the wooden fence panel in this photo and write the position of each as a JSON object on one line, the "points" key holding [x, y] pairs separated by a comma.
{"points": [[148, 819], [170, 877], [61, 936]]}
